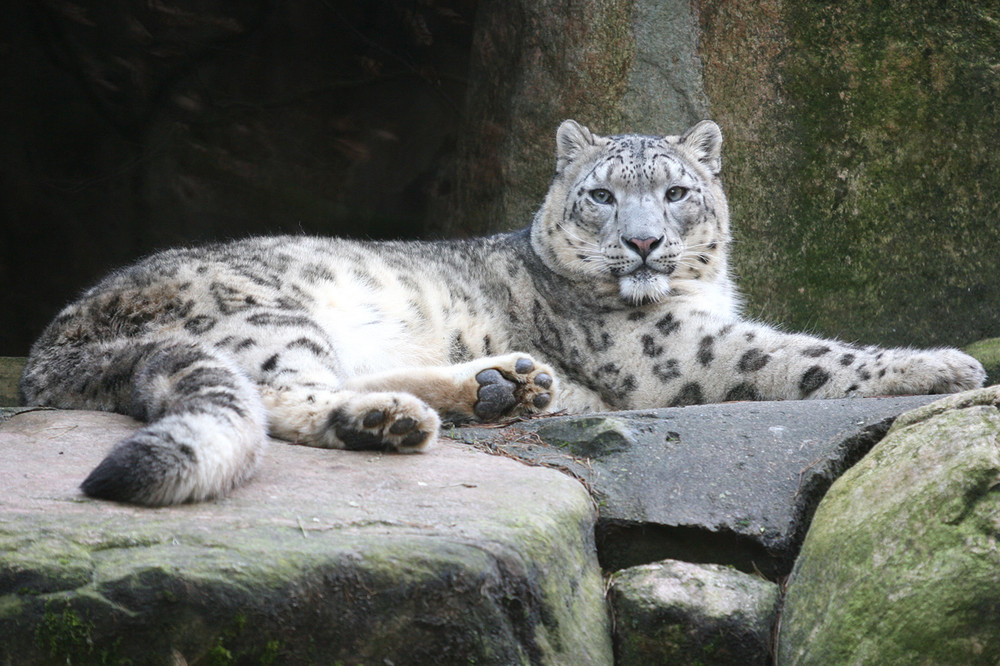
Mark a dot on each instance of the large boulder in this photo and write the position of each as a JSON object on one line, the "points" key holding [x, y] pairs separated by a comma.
{"points": [[732, 484], [674, 612], [452, 557], [902, 562]]}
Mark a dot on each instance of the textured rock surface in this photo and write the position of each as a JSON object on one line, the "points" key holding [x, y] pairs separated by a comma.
{"points": [[10, 374], [732, 484], [859, 163], [325, 557], [674, 612], [624, 65], [902, 562]]}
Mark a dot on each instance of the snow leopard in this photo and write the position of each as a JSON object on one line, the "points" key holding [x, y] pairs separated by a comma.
{"points": [[617, 296]]}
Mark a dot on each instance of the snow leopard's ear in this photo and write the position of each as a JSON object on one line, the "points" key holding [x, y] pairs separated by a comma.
{"points": [[572, 138], [704, 140]]}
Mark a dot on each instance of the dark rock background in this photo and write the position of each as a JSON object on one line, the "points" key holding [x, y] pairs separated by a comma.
{"points": [[859, 153], [133, 126]]}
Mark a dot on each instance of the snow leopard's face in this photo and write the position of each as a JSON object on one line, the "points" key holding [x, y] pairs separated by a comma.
{"points": [[643, 212]]}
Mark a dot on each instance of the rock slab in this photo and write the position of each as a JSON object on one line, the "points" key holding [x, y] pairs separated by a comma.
{"points": [[674, 612], [732, 484], [451, 557], [902, 562]]}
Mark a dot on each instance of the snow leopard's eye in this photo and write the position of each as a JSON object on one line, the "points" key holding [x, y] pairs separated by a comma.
{"points": [[602, 196], [676, 193]]}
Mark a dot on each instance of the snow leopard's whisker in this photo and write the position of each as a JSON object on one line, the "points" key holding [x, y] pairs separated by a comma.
{"points": [[691, 266], [590, 254], [585, 243], [696, 249]]}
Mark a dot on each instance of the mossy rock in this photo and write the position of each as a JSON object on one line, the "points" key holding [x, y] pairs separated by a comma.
{"points": [[326, 557], [901, 562], [673, 612], [859, 163], [11, 368], [987, 352]]}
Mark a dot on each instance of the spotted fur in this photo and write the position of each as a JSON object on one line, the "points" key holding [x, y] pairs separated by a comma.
{"points": [[620, 289]]}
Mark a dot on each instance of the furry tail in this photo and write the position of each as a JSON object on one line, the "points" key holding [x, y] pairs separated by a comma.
{"points": [[206, 426]]}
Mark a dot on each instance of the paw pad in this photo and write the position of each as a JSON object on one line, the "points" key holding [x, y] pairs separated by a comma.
{"points": [[376, 417], [402, 426], [520, 386], [496, 395], [384, 429]]}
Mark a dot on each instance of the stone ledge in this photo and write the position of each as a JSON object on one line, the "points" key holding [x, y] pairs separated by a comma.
{"points": [[732, 483], [326, 555]]}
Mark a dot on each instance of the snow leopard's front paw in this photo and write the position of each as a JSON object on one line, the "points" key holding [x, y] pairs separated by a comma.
{"points": [[511, 385], [382, 422]]}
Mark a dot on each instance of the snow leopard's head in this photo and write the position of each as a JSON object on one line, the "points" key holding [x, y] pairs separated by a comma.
{"points": [[643, 213]]}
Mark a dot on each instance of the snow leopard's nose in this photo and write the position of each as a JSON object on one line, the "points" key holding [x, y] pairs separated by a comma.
{"points": [[642, 246]]}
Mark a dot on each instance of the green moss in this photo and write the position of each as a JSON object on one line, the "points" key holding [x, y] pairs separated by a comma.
{"points": [[587, 437], [65, 635], [606, 68], [239, 644], [987, 352], [271, 653], [859, 148], [899, 565], [10, 605], [10, 374]]}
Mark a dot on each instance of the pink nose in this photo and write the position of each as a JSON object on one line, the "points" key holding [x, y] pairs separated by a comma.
{"points": [[643, 246]]}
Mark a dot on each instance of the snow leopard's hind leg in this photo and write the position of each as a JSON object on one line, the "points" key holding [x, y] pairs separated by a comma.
{"points": [[205, 423], [329, 417], [307, 403]]}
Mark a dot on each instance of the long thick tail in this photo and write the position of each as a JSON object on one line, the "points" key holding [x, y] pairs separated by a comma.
{"points": [[206, 426]]}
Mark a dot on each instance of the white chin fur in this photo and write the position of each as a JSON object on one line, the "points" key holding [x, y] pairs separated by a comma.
{"points": [[644, 287]]}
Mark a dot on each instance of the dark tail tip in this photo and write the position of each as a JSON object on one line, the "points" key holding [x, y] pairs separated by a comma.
{"points": [[109, 481], [134, 472]]}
